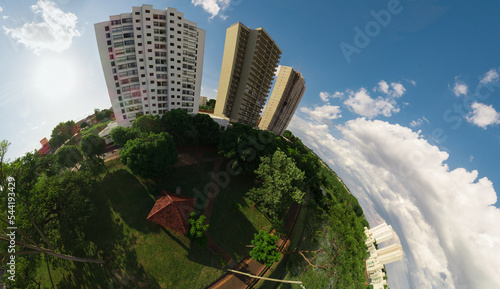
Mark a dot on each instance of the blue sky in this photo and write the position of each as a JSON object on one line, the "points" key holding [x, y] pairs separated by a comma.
{"points": [[402, 101]]}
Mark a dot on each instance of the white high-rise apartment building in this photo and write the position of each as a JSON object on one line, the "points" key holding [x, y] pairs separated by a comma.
{"points": [[152, 61]]}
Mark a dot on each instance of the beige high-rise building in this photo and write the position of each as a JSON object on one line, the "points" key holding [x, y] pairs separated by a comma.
{"points": [[248, 66], [285, 98]]}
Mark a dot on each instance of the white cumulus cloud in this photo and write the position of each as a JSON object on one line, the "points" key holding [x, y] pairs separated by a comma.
{"points": [[397, 88], [1, 9], [323, 113], [490, 76], [483, 115], [325, 95], [460, 88], [362, 103], [445, 219], [55, 32], [419, 122], [213, 7]]}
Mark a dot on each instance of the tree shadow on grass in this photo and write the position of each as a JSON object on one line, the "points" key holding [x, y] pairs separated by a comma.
{"points": [[129, 198], [107, 240]]}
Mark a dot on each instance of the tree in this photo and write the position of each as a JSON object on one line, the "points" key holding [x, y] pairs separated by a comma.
{"points": [[50, 212], [207, 129], [150, 155], [266, 248], [149, 123], [61, 133], [69, 155], [179, 124], [120, 135], [92, 145], [281, 185], [84, 124], [197, 229]]}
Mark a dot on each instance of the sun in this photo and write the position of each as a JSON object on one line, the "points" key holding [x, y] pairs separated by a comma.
{"points": [[55, 78]]}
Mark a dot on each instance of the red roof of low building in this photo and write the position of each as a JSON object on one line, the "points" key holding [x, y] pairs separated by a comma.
{"points": [[172, 211]]}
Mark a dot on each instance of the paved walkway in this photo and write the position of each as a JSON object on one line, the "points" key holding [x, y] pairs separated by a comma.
{"points": [[248, 265]]}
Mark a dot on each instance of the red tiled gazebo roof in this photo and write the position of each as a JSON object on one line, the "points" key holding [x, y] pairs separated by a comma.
{"points": [[172, 211]]}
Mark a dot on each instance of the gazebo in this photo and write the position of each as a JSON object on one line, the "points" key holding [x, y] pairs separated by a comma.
{"points": [[172, 211]]}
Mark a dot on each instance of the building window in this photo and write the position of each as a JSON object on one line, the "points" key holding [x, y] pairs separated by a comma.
{"points": [[148, 19], [147, 11], [139, 44], [149, 42], [150, 50], [106, 28], [123, 110], [109, 42], [139, 36], [171, 14], [137, 20], [124, 117], [138, 28], [108, 35], [148, 34], [137, 13], [118, 91]]}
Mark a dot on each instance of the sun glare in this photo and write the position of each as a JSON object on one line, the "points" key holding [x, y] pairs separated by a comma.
{"points": [[55, 78]]}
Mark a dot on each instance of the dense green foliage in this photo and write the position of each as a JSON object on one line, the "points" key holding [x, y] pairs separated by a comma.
{"points": [[150, 155], [52, 207], [69, 155], [245, 145], [92, 145], [265, 250], [148, 123], [61, 133], [102, 115], [207, 130], [120, 135], [209, 106], [197, 229], [281, 185]]}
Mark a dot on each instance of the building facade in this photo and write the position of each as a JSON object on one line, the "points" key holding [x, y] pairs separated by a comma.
{"points": [[375, 269], [152, 61], [285, 98], [250, 60]]}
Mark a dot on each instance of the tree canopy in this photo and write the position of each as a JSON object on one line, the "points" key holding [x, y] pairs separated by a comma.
{"points": [[207, 130], [265, 250], [150, 155], [179, 124], [69, 155], [281, 185], [197, 229], [92, 145], [120, 135], [61, 133]]}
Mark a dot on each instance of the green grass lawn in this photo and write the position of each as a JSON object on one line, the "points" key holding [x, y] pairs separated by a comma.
{"points": [[234, 220], [141, 254]]}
